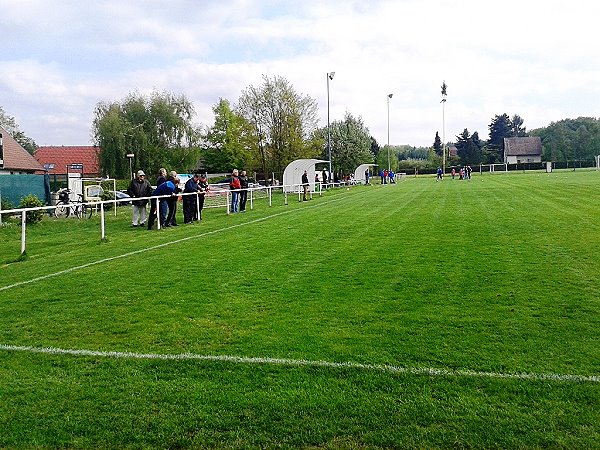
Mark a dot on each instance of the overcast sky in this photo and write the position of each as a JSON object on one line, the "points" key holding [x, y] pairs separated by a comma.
{"points": [[539, 59]]}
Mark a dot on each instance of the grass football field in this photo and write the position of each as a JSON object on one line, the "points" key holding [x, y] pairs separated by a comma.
{"points": [[453, 314]]}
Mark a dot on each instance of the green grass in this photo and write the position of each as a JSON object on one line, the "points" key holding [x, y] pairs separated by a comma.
{"points": [[498, 274]]}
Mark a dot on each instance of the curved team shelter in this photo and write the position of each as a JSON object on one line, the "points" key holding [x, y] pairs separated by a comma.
{"points": [[292, 175]]}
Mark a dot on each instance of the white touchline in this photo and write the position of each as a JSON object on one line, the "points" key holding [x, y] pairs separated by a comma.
{"points": [[307, 363], [147, 249]]}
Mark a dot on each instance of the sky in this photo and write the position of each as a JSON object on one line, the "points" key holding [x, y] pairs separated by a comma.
{"points": [[538, 59]]}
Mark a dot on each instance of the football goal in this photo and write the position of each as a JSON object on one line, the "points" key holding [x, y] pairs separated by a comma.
{"points": [[491, 168]]}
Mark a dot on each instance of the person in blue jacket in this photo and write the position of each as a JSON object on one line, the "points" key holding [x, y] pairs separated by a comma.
{"points": [[166, 188]]}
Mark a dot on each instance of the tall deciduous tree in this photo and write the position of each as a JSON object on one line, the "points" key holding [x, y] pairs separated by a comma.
{"points": [[230, 141], [157, 129], [283, 120], [351, 145], [10, 125]]}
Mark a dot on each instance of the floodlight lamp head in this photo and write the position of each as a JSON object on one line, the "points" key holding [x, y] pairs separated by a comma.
{"points": [[330, 75], [390, 95]]}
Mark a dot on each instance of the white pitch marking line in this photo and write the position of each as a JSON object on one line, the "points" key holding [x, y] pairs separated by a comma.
{"points": [[147, 249], [307, 363]]}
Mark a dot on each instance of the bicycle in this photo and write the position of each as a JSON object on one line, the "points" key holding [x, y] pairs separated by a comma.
{"points": [[65, 207]]}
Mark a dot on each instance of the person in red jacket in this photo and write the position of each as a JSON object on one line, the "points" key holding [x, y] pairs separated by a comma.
{"points": [[235, 186]]}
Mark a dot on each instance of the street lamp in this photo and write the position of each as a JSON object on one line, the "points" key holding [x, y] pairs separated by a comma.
{"points": [[130, 156], [329, 77], [388, 142]]}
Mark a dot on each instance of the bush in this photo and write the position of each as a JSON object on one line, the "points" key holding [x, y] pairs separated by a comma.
{"points": [[6, 204], [107, 196], [31, 201]]}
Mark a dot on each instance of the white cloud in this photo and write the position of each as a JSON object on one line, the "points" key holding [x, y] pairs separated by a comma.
{"points": [[517, 57]]}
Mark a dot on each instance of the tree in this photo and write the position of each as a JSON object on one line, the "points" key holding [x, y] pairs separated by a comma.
{"points": [[375, 148], [157, 129], [351, 144], [284, 122], [230, 141], [10, 125], [570, 139], [517, 128], [469, 148], [437, 144], [500, 128]]}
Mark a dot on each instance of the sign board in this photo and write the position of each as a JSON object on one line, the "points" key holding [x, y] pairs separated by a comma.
{"points": [[77, 166]]}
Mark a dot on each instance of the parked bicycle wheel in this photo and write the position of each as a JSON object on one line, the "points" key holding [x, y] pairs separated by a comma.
{"points": [[78, 210], [62, 210], [88, 211]]}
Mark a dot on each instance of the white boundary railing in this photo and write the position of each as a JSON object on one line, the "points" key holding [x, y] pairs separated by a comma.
{"points": [[212, 194]]}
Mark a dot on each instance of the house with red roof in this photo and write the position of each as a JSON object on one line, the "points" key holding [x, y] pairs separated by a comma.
{"points": [[61, 160], [14, 158], [20, 173]]}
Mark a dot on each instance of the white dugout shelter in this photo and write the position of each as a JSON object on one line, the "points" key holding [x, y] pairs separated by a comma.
{"points": [[359, 173], [292, 175]]}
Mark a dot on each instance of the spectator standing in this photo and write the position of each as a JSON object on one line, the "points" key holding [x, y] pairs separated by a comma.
{"points": [[202, 191], [190, 202], [439, 174], [139, 187], [162, 205], [324, 178], [305, 185], [166, 188], [367, 176], [244, 183], [235, 186], [171, 220]]}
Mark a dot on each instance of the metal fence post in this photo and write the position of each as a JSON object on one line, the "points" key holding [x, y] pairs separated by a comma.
{"points": [[23, 233], [102, 227]]}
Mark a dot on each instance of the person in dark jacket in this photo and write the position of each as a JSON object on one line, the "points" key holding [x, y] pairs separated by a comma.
{"points": [[202, 192], [305, 185], [171, 220], [190, 201], [166, 188], [244, 183], [139, 187]]}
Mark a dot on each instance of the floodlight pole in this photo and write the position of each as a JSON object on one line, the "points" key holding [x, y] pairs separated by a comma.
{"points": [[329, 77], [388, 130]]}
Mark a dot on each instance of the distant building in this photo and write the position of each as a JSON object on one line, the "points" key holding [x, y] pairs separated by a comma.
{"points": [[63, 159], [522, 150], [15, 159]]}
